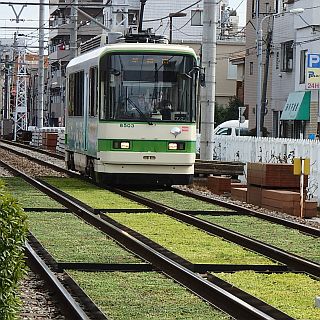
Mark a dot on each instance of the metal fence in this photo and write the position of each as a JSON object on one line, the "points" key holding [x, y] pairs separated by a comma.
{"points": [[271, 150]]}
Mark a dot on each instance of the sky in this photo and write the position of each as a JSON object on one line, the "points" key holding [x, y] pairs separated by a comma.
{"points": [[30, 15], [241, 11], [30, 18]]}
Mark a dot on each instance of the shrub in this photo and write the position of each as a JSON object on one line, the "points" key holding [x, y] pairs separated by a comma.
{"points": [[13, 232]]}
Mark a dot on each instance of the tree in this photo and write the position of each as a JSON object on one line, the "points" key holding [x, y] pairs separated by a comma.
{"points": [[229, 112]]}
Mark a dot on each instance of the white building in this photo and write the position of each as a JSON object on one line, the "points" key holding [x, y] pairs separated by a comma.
{"points": [[294, 36], [125, 13], [186, 29]]}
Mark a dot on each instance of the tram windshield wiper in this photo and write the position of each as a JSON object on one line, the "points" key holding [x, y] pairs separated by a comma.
{"points": [[140, 112]]}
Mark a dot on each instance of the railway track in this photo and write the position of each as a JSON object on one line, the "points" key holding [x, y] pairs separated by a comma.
{"points": [[290, 261], [236, 307]]}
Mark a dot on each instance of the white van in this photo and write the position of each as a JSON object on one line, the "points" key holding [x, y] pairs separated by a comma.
{"points": [[231, 128]]}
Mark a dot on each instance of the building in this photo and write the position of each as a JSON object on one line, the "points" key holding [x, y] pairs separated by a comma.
{"points": [[290, 70], [32, 61], [62, 17], [186, 28], [122, 15], [266, 8], [293, 35]]}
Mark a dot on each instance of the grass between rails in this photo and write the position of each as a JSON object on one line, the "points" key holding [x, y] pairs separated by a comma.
{"points": [[291, 293], [27, 195], [70, 239], [92, 195], [279, 236], [187, 241], [139, 296], [178, 201]]}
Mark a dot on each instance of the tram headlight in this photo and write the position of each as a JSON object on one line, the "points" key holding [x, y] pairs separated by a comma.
{"points": [[121, 145], [173, 146], [125, 145], [176, 146]]}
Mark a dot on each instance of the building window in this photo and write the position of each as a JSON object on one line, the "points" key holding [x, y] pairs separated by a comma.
{"points": [[196, 17], [303, 57], [133, 17], [278, 60], [277, 6], [268, 7], [287, 56], [232, 71], [251, 68]]}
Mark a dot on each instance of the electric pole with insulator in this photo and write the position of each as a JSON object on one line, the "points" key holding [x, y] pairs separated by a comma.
{"points": [[209, 47]]}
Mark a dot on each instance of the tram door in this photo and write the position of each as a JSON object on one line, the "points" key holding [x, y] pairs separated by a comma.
{"points": [[86, 111]]}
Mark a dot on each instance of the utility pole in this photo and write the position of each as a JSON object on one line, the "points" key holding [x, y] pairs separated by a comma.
{"points": [[209, 47], [6, 100], [265, 78], [259, 71], [20, 112], [74, 30], [142, 4], [41, 66]]}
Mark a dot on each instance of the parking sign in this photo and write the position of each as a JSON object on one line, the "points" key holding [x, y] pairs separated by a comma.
{"points": [[313, 71]]}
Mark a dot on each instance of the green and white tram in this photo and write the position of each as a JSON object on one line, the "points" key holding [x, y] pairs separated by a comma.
{"points": [[131, 111]]}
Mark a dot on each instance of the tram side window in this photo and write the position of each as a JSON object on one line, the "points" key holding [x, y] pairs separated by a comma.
{"points": [[76, 91], [93, 83], [71, 95]]}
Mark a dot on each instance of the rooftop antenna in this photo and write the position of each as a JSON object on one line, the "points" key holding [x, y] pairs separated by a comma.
{"points": [[143, 2]]}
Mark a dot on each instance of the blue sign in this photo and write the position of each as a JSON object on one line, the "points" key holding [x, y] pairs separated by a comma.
{"points": [[313, 60]]}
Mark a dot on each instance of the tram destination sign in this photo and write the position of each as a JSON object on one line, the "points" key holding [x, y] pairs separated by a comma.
{"points": [[313, 71]]}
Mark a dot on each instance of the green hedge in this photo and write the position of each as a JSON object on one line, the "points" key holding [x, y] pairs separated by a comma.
{"points": [[13, 232]]}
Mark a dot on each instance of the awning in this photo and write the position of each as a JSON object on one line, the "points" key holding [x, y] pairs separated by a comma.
{"points": [[297, 106]]}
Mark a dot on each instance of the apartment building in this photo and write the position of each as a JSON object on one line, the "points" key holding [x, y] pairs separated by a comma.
{"points": [[290, 62], [294, 28], [122, 15], [60, 52], [266, 8]]}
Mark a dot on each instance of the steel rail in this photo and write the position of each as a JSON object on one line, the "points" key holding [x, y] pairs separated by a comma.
{"points": [[41, 162], [71, 308], [238, 209], [216, 296], [294, 225], [294, 262], [26, 146], [89, 307]]}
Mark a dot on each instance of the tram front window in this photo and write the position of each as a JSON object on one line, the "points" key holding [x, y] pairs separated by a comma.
{"points": [[149, 87]]}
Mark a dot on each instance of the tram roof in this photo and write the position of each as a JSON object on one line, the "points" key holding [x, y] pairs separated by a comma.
{"points": [[131, 47]]}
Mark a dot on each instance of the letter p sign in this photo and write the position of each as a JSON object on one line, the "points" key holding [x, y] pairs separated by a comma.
{"points": [[313, 60]]}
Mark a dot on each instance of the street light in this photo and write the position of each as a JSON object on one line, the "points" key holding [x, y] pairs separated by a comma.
{"points": [[259, 54], [176, 15]]}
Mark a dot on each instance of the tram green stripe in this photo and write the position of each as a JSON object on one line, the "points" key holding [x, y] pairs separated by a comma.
{"points": [[146, 146]]}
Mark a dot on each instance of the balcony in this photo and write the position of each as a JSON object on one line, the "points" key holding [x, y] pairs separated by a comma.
{"points": [[57, 54], [60, 30]]}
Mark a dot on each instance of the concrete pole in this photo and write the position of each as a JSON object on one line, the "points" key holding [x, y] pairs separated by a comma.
{"points": [[74, 30], [209, 40], [259, 67], [41, 66]]}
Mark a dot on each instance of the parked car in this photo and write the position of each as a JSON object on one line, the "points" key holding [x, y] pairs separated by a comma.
{"points": [[232, 128]]}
